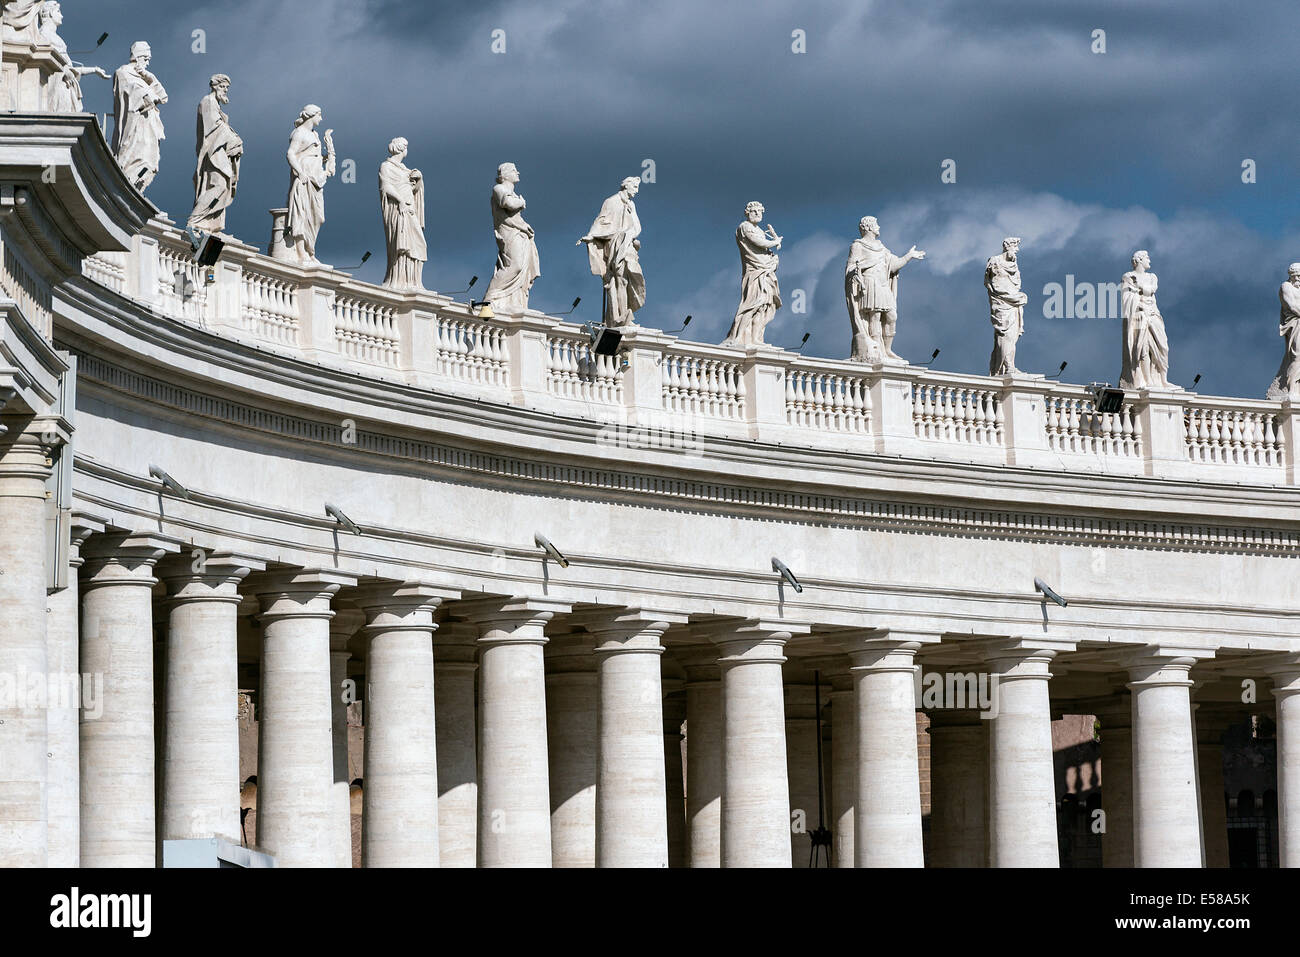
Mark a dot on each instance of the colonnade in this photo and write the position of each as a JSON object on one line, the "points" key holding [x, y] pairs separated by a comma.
{"points": [[527, 731]]}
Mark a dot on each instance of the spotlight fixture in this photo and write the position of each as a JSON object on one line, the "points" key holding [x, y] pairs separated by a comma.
{"points": [[1105, 397], [933, 355], [604, 341], [574, 306], [685, 322], [98, 43], [802, 342], [364, 259], [206, 247], [1196, 380], [1057, 375], [482, 308], [336, 513], [1048, 594], [169, 483], [544, 543], [784, 570], [459, 292]]}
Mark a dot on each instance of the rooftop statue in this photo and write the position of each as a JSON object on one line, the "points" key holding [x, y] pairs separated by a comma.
{"points": [[137, 122], [760, 293], [612, 247], [21, 20], [219, 150], [1006, 307], [1287, 383], [1146, 346], [517, 265], [871, 293], [63, 90], [401, 199], [308, 172]]}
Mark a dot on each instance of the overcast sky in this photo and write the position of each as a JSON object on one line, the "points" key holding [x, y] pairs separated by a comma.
{"points": [[1086, 156]]}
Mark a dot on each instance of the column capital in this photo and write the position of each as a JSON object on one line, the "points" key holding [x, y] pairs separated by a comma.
{"points": [[1159, 665], [513, 610], [745, 641], [699, 661], [455, 647], [392, 606], [881, 650], [343, 628], [619, 625], [298, 593], [215, 577], [82, 527], [124, 557], [1285, 673], [571, 654]]}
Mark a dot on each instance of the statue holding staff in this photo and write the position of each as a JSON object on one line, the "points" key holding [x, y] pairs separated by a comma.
{"points": [[612, 247], [308, 173], [1006, 307], [517, 265], [1287, 382], [137, 122], [219, 150], [401, 197], [760, 293]]}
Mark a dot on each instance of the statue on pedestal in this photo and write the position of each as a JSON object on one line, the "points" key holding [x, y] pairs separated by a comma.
{"points": [[1287, 383], [871, 293], [308, 173], [612, 246], [517, 263], [401, 198], [1006, 307], [219, 151], [21, 20], [1146, 346], [760, 293], [63, 90], [137, 122]]}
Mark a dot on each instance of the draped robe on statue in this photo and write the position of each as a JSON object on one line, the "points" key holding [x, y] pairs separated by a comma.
{"points": [[1287, 382], [760, 293], [1002, 280], [402, 198], [217, 174], [1146, 347], [137, 123], [518, 265], [613, 257], [870, 285], [22, 20], [306, 193]]}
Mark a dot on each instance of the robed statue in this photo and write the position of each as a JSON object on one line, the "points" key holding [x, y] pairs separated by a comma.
{"points": [[401, 197], [137, 122], [517, 264], [612, 247], [219, 150]]}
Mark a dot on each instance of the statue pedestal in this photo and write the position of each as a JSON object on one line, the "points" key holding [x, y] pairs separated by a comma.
{"points": [[276, 248], [26, 75]]}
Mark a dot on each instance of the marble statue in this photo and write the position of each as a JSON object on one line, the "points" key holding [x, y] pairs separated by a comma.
{"points": [[308, 172], [760, 294], [1287, 383], [63, 91], [517, 263], [137, 122], [401, 198], [21, 20], [612, 246], [1146, 347], [219, 150], [871, 293], [1006, 307]]}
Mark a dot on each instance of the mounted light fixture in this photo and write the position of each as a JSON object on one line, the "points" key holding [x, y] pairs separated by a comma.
{"points": [[544, 543], [574, 306], [1048, 594], [1057, 375], [604, 341], [685, 322], [784, 570], [1105, 397], [364, 260], [933, 355], [336, 513], [169, 483], [484, 308], [459, 292]]}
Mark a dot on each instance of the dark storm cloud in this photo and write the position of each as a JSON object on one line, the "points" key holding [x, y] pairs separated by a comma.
{"points": [[1085, 156]]}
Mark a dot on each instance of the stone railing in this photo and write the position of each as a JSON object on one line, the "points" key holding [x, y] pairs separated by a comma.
{"points": [[669, 385]]}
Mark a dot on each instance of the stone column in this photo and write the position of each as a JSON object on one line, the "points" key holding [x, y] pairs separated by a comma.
{"points": [[1022, 786], [1211, 723], [755, 785], [117, 739], [399, 820], [571, 744], [297, 821], [703, 755], [514, 788], [631, 809], [1166, 812], [24, 467], [959, 788], [1117, 783], [674, 787], [844, 766], [887, 823], [1286, 690], [200, 758], [454, 654], [343, 627], [64, 714], [801, 762]]}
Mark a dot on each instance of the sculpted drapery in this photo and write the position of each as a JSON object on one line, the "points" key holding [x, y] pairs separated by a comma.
{"points": [[1006, 307], [760, 293], [1146, 346], [612, 254], [518, 265], [137, 126], [308, 173], [219, 150], [1287, 382], [401, 192]]}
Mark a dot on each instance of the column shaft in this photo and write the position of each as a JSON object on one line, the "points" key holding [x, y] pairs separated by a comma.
{"points": [[1117, 787], [844, 770], [959, 787], [704, 765], [454, 656], [1286, 689]]}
